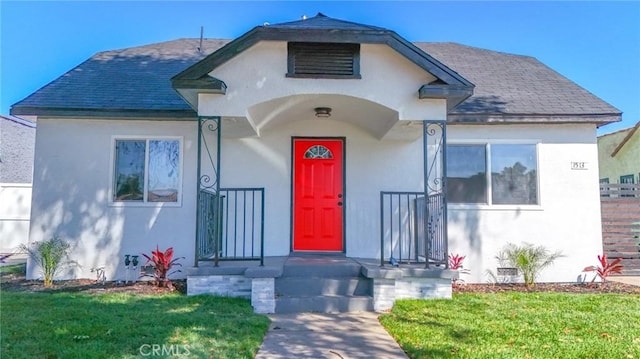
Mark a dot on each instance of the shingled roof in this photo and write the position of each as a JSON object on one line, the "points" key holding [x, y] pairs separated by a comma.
{"points": [[129, 82], [517, 88], [135, 82]]}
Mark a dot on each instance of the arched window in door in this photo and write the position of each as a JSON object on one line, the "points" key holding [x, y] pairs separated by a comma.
{"points": [[318, 152]]}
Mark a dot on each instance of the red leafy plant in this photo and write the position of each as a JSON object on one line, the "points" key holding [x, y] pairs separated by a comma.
{"points": [[455, 263], [605, 268], [162, 262]]}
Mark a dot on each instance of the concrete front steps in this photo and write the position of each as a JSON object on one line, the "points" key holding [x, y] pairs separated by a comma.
{"points": [[319, 283], [322, 285]]}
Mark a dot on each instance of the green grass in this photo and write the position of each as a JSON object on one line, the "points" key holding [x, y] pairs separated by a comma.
{"points": [[518, 325], [77, 325]]}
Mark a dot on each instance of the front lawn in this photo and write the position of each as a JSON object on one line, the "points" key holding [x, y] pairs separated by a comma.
{"points": [[518, 325], [80, 325]]}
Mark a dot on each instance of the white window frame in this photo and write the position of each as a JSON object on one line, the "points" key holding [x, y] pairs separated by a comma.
{"points": [[489, 190], [145, 202]]}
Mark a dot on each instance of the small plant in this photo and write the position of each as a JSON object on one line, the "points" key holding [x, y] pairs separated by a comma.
{"points": [[162, 262], [49, 255], [455, 263], [529, 259], [605, 269]]}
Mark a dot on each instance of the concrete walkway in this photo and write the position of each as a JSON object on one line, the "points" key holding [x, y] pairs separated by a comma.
{"points": [[633, 280], [322, 335]]}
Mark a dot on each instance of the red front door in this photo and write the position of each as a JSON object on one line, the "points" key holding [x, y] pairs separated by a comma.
{"points": [[318, 194]]}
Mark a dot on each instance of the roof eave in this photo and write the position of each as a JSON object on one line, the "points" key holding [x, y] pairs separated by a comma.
{"points": [[51, 112], [454, 94], [506, 118]]}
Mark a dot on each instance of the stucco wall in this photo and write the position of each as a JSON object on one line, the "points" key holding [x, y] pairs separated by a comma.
{"points": [[72, 177], [72, 180], [567, 219], [15, 208], [17, 141], [260, 97], [371, 166], [266, 80], [16, 151], [625, 162]]}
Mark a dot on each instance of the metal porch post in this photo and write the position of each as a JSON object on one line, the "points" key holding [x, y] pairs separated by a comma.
{"points": [[217, 201], [445, 215], [425, 222], [203, 182]]}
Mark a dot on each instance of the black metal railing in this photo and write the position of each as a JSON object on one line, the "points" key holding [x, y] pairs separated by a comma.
{"points": [[404, 219], [231, 225]]}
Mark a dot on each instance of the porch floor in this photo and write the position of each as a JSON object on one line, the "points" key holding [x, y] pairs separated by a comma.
{"points": [[277, 263]]}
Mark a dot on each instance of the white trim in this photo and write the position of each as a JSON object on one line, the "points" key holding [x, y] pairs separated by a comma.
{"points": [[144, 202], [15, 185], [20, 121]]}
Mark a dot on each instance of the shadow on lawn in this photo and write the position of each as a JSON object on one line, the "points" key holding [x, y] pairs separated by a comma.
{"points": [[61, 325]]}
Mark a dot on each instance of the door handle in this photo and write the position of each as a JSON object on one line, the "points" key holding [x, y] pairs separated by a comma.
{"points": [[340, 203], [339, 195]]}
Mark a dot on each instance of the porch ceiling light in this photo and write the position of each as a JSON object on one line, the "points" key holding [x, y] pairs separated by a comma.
{"points": [[323, 112]]}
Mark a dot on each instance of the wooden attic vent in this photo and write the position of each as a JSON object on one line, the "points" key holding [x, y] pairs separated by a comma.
{"points": [[323, 60]]}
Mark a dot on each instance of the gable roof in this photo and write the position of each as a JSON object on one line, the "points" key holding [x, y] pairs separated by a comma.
{"points": [[516, 88], [130, 82], [136, 83], [321, 28]]}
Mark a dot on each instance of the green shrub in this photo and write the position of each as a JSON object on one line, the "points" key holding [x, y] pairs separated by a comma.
{"points": [[50, 255], [529, 259]]}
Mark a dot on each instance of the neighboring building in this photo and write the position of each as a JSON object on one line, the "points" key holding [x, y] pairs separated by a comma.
{"points": [[619, 156], [17, 141], [619, 160], [320, 116]]}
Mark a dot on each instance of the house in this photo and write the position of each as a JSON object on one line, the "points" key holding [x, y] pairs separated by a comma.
{"points": [[618, 156], [17, 141], [316, 136]]}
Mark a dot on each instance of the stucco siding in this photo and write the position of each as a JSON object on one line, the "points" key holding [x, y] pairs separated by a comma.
{"points": [[15, 208], [73, 177], [627, 159], [72, 180], [567, 219], [17, 141], [371, 166], [249, 84], [16, 151]]}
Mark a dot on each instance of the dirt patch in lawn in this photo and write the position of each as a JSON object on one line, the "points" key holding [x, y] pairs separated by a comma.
{"points": [[609, 287], [16, 282]]}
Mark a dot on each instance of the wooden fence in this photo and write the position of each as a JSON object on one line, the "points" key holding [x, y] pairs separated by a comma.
{"points": [[620, 206]]}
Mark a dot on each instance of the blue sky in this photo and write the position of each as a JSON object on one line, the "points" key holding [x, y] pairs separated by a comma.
{"points": [[595, 44]]}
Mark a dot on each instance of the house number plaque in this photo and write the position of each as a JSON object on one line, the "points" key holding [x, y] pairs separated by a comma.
{"points": [[578, 166]]}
